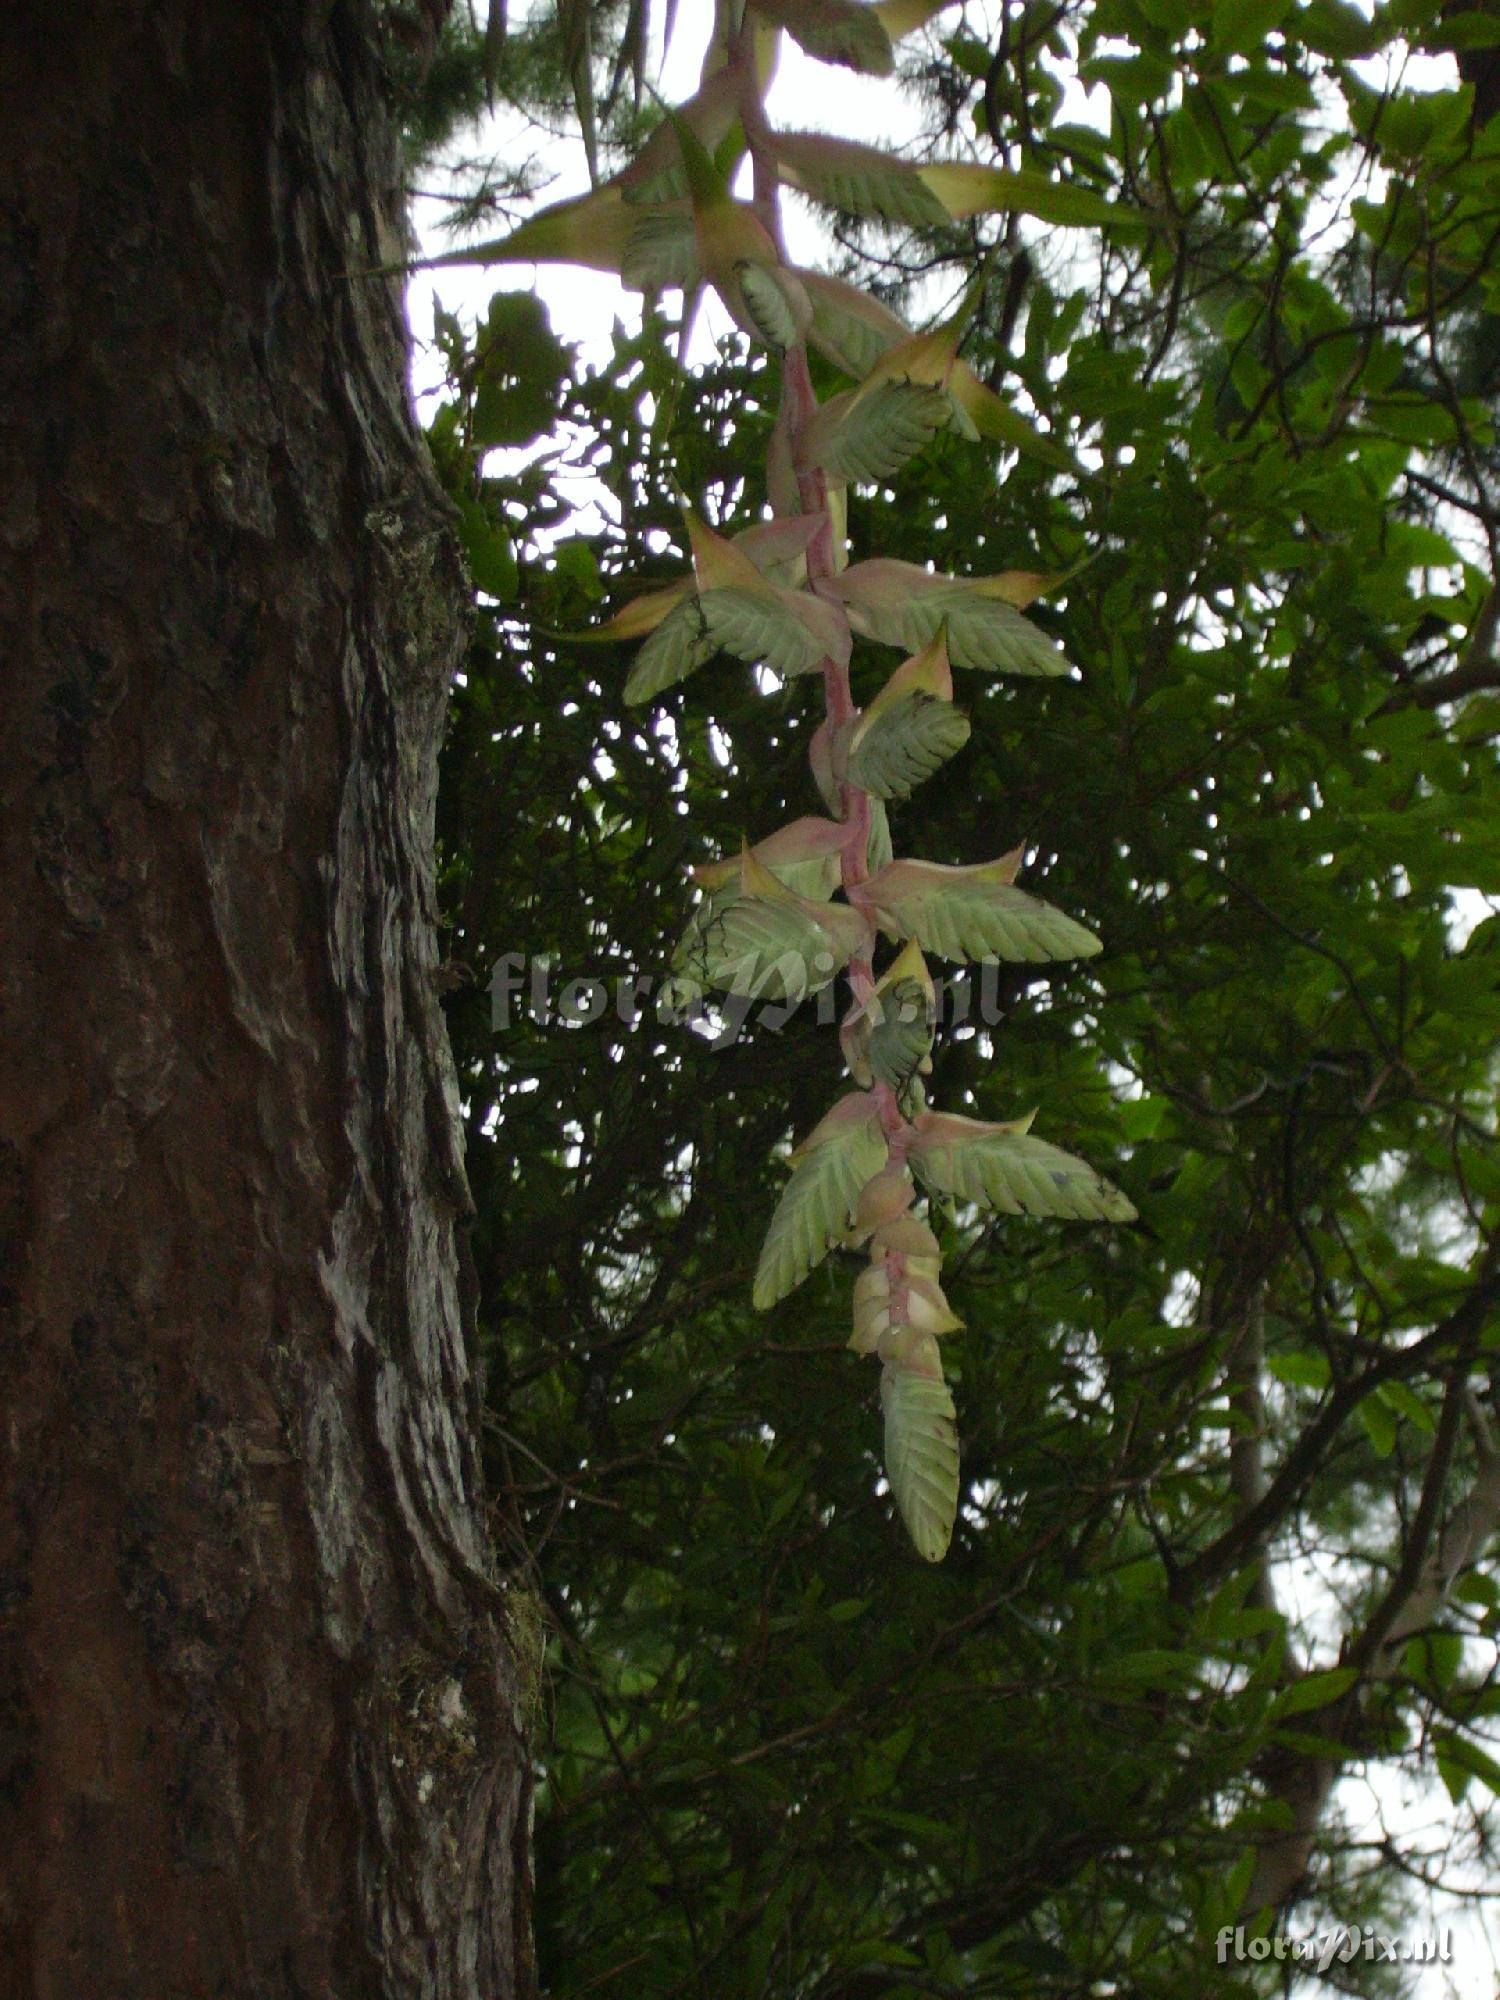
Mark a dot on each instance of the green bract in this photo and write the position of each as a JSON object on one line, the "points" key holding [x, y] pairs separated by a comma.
{"points": [[891, 755], [921, 1455], [1004, 1167], [830, 1168], [973, 913]]}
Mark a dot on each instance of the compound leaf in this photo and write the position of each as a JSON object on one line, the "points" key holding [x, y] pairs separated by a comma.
{"points": [[901, 604], [790, 631], [852, 329], [870, 437], [831, 1166], [835, 31], [974, 913], [678, 647], [1001, 1166], [891, 753], [859, 180], [921, 1455]]}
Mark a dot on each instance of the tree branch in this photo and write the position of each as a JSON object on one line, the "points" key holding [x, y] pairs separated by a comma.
{"points": [[1433, 1559], [1306, 1456]]}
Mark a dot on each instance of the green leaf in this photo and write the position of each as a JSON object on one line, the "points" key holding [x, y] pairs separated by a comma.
{"points": [[871, 436], [1398, 1396], [1001, 1166], [930, 360], [1459, 1759], [900, 604], [973, 913], [1159, 1666], [863, 180], [883, 1760], [859, 180], [1456, 1776], [1306, 1370], [1239, 27], [846, 1609], [1474, 1587], [1312, 1691], [520, 365], [904, 745], [921, 1456], [678, 647], [878, 849], [873, 1951], [993, 418], [1465, 31], [1037, 1957], [577, 566], [660, 253], [844, 1151], [1140, 1117], [487, 549], [790, 631], [965, 188], [1230, 1895], [900, 1040], [774, 945], [835, 31], [772, 305], [753, 948], [1434, 1656], [848, 326], [1337, 28], [1380, 1426]]}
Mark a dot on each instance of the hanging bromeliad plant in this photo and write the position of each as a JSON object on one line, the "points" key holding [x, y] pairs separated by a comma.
{"points": [[813, 900]]}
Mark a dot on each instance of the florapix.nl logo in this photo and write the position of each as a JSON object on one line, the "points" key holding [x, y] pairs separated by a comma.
{"points": [[531, 988]]}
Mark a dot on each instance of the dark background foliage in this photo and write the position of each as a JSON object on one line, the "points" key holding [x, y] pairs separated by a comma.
{"points": [[1207, 1457]]}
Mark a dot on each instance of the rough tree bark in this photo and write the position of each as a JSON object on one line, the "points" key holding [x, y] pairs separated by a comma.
{"points": [[262, 1710]]}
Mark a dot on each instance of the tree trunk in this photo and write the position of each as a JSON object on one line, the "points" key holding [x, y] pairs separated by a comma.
{"points": [[262, 1711]]}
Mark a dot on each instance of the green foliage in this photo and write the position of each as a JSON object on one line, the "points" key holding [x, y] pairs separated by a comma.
{"points": [[780, 1754]]}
